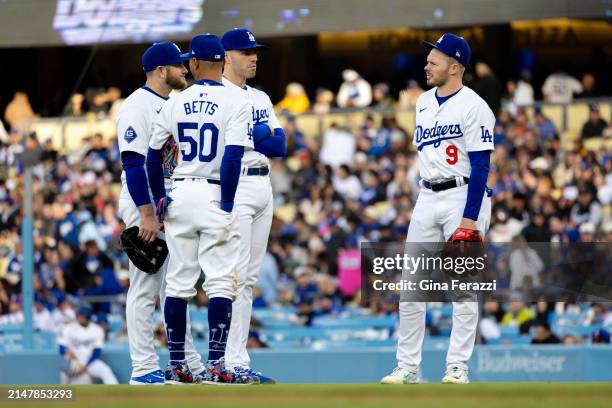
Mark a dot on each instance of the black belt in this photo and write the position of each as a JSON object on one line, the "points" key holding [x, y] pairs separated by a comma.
{"points": [[444, 185], [258, 171], [210, 181]]}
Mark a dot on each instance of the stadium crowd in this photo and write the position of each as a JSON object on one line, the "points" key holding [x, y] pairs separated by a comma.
{"points": [[356, 182]]}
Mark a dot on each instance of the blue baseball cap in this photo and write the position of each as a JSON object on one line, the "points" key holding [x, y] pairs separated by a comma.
{"points": [[205, 47], [160, 54], [86, 311], [240, 39], [453, 46]]}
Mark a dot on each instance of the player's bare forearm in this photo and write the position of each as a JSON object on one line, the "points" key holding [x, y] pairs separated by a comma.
{"points": [[147, 230], [468, 223]]}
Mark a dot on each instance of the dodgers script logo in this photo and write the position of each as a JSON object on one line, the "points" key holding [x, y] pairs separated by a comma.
{"points": [[436, 134], [260, 115]]}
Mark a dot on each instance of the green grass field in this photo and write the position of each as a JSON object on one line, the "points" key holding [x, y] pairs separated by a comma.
{"points": [[482, 395]]}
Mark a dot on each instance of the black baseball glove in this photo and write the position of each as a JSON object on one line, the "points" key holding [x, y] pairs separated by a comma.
{"points": [[146, 256]]}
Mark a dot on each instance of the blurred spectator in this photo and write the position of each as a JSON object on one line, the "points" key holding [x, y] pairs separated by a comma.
{"points": [[493, 314], [524, 264], [323, 102], [75, 108], [543, 335], [409, 96], [587, 208], [587, 232], [546, 128], [346, 184], [18, 110], [537, 230], [571, 340], [560, 87], [355, 92], [381, 98], [518, 314], [268, 278], [97, 157], [487, 86], [595, 126], [601, 336], [295, 138], [589, 87], [4, 138], [523, 94], [295, 100], [338, 147]]}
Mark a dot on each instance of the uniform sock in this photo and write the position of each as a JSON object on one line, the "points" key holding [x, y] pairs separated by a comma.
{"points": [[219, 319], [175, 314]]}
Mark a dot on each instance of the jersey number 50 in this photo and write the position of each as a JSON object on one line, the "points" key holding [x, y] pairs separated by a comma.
{"points": [[206, 149]]}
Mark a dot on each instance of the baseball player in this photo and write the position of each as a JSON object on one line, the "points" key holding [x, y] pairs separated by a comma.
{"points": [[454, 139], [210, 123], [254, 203], [80, 343], [165, 71]]}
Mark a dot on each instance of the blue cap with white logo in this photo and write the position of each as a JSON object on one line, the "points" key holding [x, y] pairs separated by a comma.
{"points": [[240, 39], [160, 54], [453, 46], [205, 47]]}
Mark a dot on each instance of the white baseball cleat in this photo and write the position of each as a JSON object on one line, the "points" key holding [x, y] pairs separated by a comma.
{"points": [[456, 375], [401, 376]]}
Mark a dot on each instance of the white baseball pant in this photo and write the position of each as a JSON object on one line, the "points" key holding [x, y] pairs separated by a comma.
{"points": [[96, 370], [254, 205], [201, 237], [140, 305], [435, 217]]}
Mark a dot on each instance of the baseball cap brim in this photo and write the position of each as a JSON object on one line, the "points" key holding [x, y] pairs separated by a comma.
{"points": [[186, 56], [250, 47]]}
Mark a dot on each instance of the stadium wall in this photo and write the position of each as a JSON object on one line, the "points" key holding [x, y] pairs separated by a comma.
{"points": [[489, 363]]}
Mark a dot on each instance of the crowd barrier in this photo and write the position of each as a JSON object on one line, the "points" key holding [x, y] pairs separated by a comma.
{"points": [[514, 363]]}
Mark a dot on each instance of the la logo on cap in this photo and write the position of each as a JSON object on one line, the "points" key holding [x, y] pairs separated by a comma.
{"points": [[251, 36]]}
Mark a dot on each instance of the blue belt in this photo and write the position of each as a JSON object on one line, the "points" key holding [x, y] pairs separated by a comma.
{"points": [[210, 181], [258, 171]]}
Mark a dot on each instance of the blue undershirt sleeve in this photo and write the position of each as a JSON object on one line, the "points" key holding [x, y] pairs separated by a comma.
{"points": [[94, 355], [136, 177], [230, 175], [479, 161], [273, 146], [261, 131], [156, 174]]}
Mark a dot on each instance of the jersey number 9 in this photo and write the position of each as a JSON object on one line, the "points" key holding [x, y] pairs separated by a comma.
{"points": [[451, 154], [206, 149]]}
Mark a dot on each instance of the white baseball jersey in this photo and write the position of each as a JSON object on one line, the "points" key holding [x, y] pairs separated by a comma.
{"points": [[135, 122], [81, 340], [203, 119], [262, 111], [445, 134]]}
